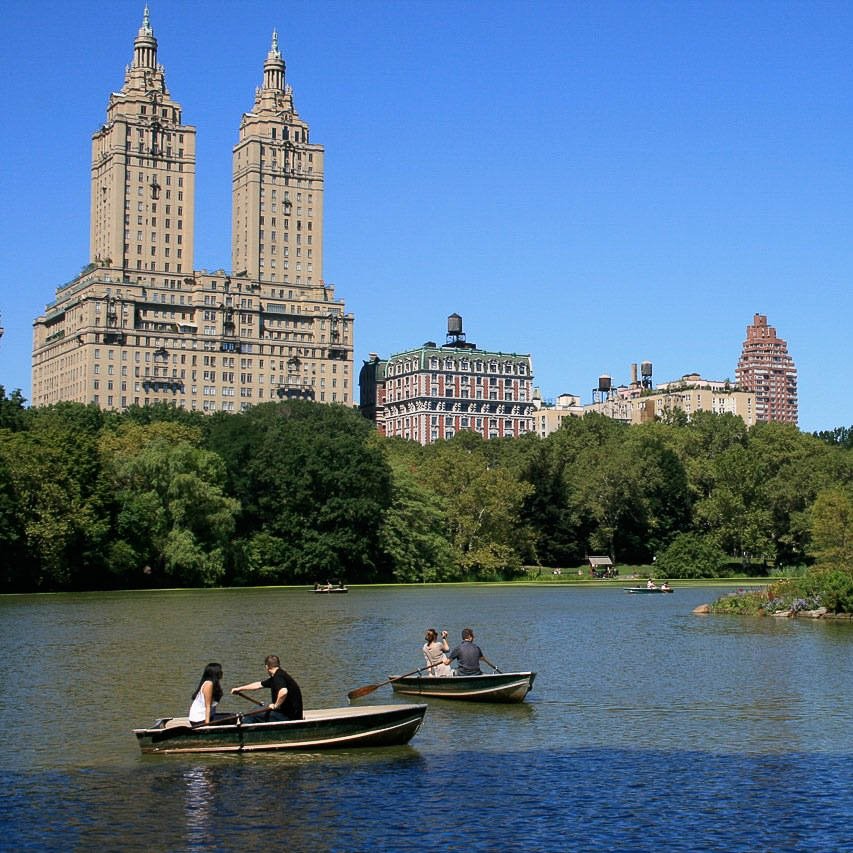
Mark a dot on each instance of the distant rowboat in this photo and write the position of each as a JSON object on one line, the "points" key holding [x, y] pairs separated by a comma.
{"points": [[330, 588], [497, 687], [646, 590]]}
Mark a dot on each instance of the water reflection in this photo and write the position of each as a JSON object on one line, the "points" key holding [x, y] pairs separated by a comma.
{"points": [[199, 805]]}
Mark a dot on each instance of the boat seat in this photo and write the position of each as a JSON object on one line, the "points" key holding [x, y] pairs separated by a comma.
{"points": [[178, 721]]}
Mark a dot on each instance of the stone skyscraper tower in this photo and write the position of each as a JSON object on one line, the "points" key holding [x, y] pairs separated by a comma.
{"points": [[139, 325], [277, 206], [143, 173], [767, 369]]}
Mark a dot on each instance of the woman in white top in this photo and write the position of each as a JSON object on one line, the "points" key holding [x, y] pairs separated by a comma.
{"points": [[434, 653], [206, 695]]}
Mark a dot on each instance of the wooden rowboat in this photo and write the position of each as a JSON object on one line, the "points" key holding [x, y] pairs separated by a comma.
{"points": [[328, 589], [329, 728], [644, 590], [499, 687]]}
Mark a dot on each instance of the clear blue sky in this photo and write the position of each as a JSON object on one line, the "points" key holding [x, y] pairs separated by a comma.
{"points": [[595, 183]]}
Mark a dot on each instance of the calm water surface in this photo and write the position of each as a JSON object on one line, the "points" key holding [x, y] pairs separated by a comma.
{"points": [[648, 728]]}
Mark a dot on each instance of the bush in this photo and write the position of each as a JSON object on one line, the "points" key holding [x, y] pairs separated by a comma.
{"points": [[690, 556], [834, 586], [748, 603]]}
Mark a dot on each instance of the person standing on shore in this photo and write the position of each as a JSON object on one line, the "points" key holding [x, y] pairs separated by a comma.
{"points": [[468, 655], [434, 654]]}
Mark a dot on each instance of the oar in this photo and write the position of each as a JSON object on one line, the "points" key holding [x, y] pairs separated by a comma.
{"points": [[369, 688], [250, 698], [483, 657]]}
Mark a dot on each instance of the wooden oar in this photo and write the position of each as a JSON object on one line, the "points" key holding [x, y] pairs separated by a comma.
{"points": [[369, 688], [250, 698]]}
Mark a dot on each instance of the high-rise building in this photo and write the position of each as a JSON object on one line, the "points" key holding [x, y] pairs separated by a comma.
{"points": [[139, 324], [767, 369], [433, 392], [143, 173], [277, 232]]}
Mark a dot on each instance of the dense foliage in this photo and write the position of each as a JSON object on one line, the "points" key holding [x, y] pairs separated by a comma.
{"points": [[297, 492]]}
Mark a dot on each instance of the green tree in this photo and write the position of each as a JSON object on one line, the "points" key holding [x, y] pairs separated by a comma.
{"points": [[483, 506], [414, 532], [322, 485], [735, 513], [53, 474], [173, 519], [690, 556], [832, 527], [12, 412]]}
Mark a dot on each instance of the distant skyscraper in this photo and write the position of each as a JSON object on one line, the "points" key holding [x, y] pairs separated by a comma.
{"points": [[767, 369], [139, 325], [143, 158], [277, 207]]}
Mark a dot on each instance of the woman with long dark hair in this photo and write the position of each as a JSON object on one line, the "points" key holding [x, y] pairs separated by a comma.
{"points": [[206, 695]]}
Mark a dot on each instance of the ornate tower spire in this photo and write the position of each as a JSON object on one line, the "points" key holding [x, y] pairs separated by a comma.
{"points": [[145, 151], [277, 196], [145, 45], [274, 67]]}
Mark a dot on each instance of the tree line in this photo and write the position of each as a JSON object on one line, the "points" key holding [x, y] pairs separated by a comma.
{"points": [[298, 492]]}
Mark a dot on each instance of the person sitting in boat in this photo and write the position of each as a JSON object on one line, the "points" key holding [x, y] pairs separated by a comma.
{"points": [[285, 695], [650, 584], [468, 655], [665, 586], [434, 654], [206, 696]]}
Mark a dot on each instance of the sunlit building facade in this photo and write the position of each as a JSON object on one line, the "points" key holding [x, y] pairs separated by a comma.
{"points": [[140, 324], [433, 392], [635, 404], [767, 369]]}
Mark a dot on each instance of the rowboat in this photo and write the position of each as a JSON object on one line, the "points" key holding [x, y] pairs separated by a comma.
{"points": [[329, 728], [645, 590], [498, 687], [329, 588]]}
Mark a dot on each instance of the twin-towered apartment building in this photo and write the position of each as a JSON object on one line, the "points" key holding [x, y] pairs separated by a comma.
{"points": [[140, 325]]}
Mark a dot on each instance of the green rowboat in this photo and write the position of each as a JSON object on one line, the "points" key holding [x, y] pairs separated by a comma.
{"points": [[330, 728], [498, 687]]}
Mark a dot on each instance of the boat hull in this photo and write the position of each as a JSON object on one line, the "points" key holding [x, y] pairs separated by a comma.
{"points": [[643, 590], [331, 728], [500, 687]]}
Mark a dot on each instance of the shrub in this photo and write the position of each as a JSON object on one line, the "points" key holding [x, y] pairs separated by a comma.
{"points": [[690, 556]]}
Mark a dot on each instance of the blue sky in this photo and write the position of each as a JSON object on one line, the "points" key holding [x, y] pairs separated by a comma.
{"points": [[595, 183]]}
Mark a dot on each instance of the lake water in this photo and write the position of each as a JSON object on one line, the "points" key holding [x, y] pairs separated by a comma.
{"points": [[648, 728]]}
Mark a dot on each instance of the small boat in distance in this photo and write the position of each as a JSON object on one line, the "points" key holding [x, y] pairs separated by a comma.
{"points": [[330, 587], [329, 728], [648, 590], [496, 687]]}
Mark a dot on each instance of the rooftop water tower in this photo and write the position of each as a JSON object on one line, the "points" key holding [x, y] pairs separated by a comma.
{"points": [[455, 335], [604, 389]]}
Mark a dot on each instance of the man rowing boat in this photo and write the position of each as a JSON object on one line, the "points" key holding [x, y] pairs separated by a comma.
{"points": [[468, 655], [285, 695]]}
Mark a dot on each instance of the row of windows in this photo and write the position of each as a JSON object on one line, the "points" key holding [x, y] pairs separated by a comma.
{"points": [[518, 368]]}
